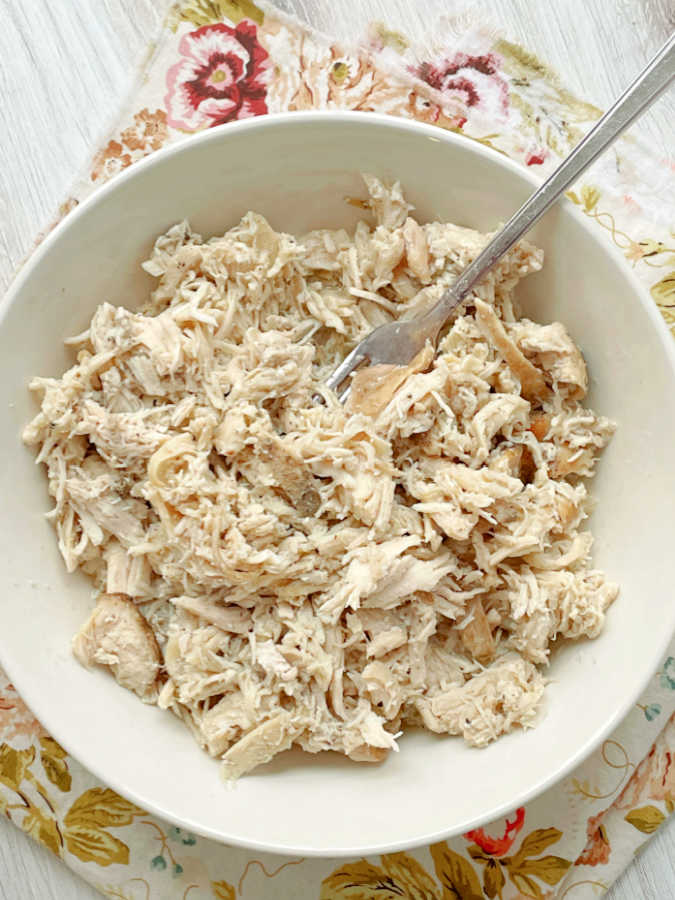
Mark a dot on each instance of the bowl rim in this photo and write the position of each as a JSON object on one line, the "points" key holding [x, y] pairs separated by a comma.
{"points": [[422, 130]]}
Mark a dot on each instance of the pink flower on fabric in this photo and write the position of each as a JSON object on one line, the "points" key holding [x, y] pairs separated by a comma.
{"points": [[473, 80], [220, 78]]}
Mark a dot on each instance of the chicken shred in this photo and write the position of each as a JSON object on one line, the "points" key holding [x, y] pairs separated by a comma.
{"points": [[280, 572]]}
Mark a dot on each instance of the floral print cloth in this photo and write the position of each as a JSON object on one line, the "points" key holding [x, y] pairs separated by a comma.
{"points": [[221, 60]]}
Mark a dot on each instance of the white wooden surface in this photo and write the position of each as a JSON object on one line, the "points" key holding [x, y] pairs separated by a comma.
{"points": [[65, 65]]}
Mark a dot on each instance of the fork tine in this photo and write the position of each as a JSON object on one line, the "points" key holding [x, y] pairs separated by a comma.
{"points": [[346, 367], [344, 395]]}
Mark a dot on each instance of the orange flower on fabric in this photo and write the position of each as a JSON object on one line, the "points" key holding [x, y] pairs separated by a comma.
{"points": [[109, 161], [498, 846], [597, 850], [148, 132]]}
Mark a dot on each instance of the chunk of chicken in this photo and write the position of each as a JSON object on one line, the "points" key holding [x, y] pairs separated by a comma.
{"points": [[532, 383], [118, 637], [294, 479], [539, 425], [365, 753], [373, 387], [258, 746], [417, 252], [505, 694], [477, 635], [554, 350], [227, 618]]}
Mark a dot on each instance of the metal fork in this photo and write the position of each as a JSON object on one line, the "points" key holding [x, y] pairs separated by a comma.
{"points": [[400, 342]]}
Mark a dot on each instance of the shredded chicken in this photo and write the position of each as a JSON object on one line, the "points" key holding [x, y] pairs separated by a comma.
{"points": [[279, 571]]}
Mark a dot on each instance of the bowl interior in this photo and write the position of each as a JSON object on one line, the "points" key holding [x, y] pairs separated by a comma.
{"points": [[297, 171]]}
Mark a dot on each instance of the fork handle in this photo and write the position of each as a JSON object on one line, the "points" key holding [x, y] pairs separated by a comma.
{"points": [[646, 88]]}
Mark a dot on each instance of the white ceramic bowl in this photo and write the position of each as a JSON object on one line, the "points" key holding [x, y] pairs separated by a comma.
{"points": [[296, 169]]}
